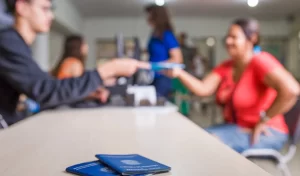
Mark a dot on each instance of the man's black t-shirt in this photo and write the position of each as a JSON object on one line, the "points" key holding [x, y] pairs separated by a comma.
{"points": [[20, 74]]}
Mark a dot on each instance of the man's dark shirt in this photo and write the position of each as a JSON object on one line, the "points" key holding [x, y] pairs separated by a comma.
{"points": [[20, 74]]}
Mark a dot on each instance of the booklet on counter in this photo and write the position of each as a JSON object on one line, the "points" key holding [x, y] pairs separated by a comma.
{"points": [[133, 164], [94, 168], [160, 66]]}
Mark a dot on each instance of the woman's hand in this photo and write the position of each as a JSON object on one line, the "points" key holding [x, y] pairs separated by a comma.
{"points": [[173, 73], [260, 128]]}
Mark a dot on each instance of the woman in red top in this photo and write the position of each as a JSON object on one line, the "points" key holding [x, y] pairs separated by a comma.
{"points": [[254, 90]]}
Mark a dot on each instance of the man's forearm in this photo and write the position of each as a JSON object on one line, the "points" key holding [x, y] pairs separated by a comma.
{"points": [[105, 71]]}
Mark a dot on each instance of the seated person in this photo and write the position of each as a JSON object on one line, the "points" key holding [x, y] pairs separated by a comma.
{"points": [[20, 74], [252, 87], [73, 61]]}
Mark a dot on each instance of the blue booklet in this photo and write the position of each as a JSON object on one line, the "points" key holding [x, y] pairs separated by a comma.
{"points": [[159, 66], [133, 164], [93, 168]]}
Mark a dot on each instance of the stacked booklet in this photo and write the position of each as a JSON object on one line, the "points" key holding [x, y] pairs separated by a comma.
{"points": [[119, 165]]}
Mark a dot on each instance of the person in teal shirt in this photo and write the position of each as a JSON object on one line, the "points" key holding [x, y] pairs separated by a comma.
{"points": [[163, 46]]}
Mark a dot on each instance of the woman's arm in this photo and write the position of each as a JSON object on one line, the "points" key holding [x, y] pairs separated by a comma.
{"points": [[287, 91], [175, 56], [76, 70], [205, 87], [171, 44]]}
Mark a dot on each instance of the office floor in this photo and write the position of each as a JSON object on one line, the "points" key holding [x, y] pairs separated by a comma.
{"points": [[204, 120]]}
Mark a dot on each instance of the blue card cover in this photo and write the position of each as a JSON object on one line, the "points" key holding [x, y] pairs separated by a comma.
{"points": [[159, 66], [133, 164], [93, 168]]}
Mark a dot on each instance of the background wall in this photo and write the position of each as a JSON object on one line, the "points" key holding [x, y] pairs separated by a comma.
{"points": [[67, 15], [294, 48], [68, 20], [95, 28], [56, 41]]}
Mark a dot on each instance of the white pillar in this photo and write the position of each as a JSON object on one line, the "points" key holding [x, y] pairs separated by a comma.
{"points": [[294, 48], [91, 62], [40, 50]]}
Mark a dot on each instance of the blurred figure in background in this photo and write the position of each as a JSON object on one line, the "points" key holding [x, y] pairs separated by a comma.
{"points": [[182, 40], [73, 58], [188, 53], [198, 64], [253, 89], [162, 46], [72, 63]]}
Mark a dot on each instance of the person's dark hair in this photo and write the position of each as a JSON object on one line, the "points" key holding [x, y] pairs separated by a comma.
{"points": [[11, 5], [160, 18], [183, 35], [72, 48], [250, 27]]}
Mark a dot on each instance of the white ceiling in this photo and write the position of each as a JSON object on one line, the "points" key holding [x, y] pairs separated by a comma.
{"points": [[124, 8]]}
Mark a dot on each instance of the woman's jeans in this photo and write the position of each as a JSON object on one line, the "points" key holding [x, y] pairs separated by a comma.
{"points": [[234, 136]]}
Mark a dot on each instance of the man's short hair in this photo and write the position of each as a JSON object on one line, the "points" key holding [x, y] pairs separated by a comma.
{"points": [[11, 5]]}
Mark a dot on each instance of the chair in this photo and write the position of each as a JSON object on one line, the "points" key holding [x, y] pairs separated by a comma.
{"points": [[292, 119], [3, 124]]}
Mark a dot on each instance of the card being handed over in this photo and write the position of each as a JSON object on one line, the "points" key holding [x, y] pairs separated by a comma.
{"points": [[160, 66]]}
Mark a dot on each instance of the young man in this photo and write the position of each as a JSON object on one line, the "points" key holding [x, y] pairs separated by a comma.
{"points": [[19, 74]]}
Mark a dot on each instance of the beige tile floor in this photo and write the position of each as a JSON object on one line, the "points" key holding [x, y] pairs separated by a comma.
{"points": [[204, 120]]}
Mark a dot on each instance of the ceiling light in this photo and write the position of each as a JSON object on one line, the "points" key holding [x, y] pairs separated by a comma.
{"points": [[160, 2], [253, 3], [210, 41]]}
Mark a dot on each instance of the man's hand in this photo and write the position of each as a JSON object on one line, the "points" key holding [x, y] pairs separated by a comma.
{"points": [[101, 94], [110, 82], [121, 67]]}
